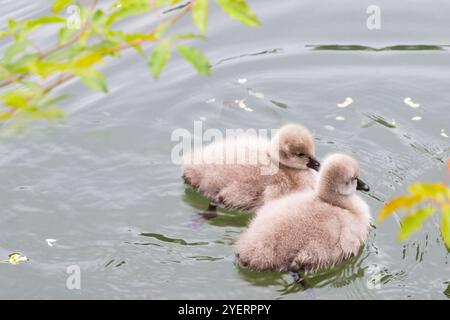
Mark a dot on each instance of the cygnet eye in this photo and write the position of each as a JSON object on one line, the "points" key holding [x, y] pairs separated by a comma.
{"points": [[300, 154]]}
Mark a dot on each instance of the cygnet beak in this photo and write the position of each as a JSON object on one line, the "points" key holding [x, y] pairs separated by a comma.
{"points": [[313, 164], [361, 185]]}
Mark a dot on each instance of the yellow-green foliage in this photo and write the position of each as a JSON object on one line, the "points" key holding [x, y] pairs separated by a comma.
{"points": [[29, 72], [423, 200]]}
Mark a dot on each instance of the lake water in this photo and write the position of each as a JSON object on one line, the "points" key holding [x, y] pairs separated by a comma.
{"points": [[103, 185]]}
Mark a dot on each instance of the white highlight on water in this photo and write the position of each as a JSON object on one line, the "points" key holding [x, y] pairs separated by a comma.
{"points": [[348, 101], [408, 101]]}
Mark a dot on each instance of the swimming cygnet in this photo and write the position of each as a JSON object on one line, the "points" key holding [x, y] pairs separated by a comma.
{"points": [[310, 230], [259, 169]]}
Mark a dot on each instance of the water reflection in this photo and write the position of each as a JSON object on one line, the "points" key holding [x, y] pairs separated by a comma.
{"points": [[356, 47], [164, 238], [224, 218]]}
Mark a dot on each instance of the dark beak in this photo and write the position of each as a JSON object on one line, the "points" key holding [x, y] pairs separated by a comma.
{"points": [[361, 185], [313, 164]]}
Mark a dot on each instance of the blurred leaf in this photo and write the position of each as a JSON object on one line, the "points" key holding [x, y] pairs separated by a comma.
{"points": [[12, 25], [397, 203], [49, 114], [115, 36], [163, 3], [138, 49], [46, 68], [432, 190], [52, 101], [159, 58], [85, 36], [140, 37], [196, 58], [5, 115], [15, 49], [93, 79], [64, 34], [161, 28], [106, 46], [15, 99], [413, 222], [66, 54], [58, 5], [44, 20], [3, 72], [127, 11], [88, 60], [128, 3], [445, 226], [200, 14], [99, 18], [238, 9], [4, 34], [21, 64], [187, 36]]}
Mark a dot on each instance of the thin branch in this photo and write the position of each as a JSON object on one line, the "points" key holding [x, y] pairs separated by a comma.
{"points": [[61, 79]]}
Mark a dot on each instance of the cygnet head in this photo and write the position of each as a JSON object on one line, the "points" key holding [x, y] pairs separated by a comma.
{"points": [[340, 175], [293, 146]]}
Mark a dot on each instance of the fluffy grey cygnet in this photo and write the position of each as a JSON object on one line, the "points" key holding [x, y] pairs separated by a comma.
{"points": [[310, 230], [235, 172]]}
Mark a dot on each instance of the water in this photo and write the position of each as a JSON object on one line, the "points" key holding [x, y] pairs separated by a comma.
{"points": [[103, 185]]}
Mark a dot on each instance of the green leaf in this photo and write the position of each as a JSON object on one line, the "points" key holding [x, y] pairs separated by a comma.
{"points": [[13, 50], [15, 99], [163, 3], [87, 60], [127, 11], [99, 18], [12, 25], [200, 14], [3, 72], [159, 58], [413, 222], [196, 58], [238, 9], [161, 28], [445, 226], [52, 101], [137, 37], [58, 5], [402, 202], [66, 54], [93, 79], [21, 64], [187, 36], [4, 34], [50, 113], [45, 68], [436, 191], [44, 20]]}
